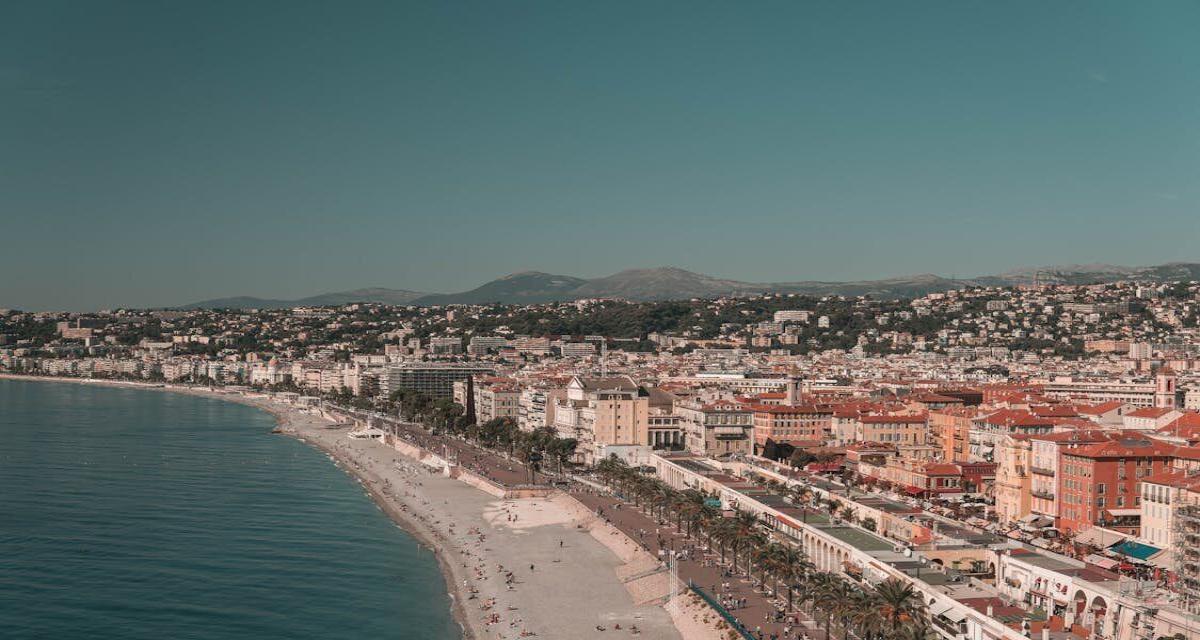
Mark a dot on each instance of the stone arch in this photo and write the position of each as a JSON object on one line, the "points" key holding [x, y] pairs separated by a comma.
{"points": [[1078, 608], [1099, 609]]}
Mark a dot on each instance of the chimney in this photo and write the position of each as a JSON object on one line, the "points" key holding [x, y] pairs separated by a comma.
{"points": [[1046, 632], [989, 610]]}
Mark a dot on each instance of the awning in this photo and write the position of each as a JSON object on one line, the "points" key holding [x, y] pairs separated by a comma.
{"points": [[1035, 521], [1117, 513], [954, 615], [1102, 562], [913, 491], [1162, 561], [1099, 537], [1135, 550], [938, 608]]}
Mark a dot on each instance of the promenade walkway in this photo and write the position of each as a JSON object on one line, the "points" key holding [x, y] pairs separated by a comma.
{"points": [[754, 609], [758, 612]]}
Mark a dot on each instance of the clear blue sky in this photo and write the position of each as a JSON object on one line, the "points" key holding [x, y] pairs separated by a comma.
{"points": [[157, 153]]}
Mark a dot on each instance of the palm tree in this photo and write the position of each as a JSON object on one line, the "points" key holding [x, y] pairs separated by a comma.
{"points": [[914, 630], [722, 531], [865, 616], [766, 557], [745, 525], [693, 506], [792, 567], [847, 608], [899, 599], [827, 596]]}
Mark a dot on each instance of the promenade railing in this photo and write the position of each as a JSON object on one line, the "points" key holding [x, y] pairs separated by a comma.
{"points": [[722, 611]]}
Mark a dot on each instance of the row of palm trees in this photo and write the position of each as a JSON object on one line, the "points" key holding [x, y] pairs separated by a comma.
{"points": [[891, 610]]}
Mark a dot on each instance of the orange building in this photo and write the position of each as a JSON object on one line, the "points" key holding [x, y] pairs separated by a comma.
{"points": [[1098, 484]]}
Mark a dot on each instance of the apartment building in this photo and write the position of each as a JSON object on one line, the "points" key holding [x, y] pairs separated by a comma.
{"points": [[950, 428], [895, 429], [1013, 478], [606, 416], [483, 345], [790, 424], [577, 349], [434, 379], [535, 406], [1098, 484], [1045, 452], [445, 345], [717, 428]]}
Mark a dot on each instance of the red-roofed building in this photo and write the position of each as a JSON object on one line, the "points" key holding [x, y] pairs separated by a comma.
{"points": [[790, 424], [1098, 483], [894, 429], [1149, 418], [1161, 494], [1045, 454], [1184, 429], [1104, 413]]}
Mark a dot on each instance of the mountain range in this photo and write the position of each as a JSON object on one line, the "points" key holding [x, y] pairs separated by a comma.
{"points": [[670, 283]]}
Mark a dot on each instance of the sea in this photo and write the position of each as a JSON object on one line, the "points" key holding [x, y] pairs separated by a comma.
{"points": [[138, 514]]}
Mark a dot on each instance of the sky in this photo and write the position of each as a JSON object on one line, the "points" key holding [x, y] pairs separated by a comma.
{"points": [[159, 153]]}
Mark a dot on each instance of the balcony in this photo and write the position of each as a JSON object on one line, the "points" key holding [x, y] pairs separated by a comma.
{"points": [[1041, 471], [1042, 493]]}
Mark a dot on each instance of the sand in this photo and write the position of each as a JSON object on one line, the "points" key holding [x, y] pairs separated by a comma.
{"points": [[542, 567]]}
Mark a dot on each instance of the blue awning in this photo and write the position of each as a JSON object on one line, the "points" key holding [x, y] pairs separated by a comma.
{"points": [[1135, 550]]}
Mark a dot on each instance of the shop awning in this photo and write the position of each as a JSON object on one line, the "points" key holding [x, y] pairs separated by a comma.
{"points": [[954, 615], [1120, 513], [1098, 537], [1135, 550], [938, 608], [1102, 562], [1035, 521]]}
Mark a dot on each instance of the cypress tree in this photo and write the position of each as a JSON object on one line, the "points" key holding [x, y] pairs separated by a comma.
{"points": [[469, 414]]}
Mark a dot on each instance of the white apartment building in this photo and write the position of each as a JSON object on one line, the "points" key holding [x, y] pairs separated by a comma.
{"points": [[792, 315], [482, 345], [577, 349]]}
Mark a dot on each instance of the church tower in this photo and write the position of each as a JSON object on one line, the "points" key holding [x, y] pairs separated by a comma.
{"points": [[1164, 387]]}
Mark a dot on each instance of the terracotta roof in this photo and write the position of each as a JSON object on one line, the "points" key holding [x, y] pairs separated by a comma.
{"points": [[1149, 412], [782, 408], [1054, 411], [941, 469], [1177, 478], [894, 419], [1125, 448], [1098, 409]]}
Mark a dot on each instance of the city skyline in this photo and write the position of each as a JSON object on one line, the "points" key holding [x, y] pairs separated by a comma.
{"points": [[158, 155]]}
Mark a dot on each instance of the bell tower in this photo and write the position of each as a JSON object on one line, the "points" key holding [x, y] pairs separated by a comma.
{"points": [[1164, 387]]}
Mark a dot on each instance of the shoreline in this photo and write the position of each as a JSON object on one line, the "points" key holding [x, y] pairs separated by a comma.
{"points": [[378, 470], [285, 418]]}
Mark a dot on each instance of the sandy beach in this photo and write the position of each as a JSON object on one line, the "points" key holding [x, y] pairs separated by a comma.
{"points": [[533, 567]]}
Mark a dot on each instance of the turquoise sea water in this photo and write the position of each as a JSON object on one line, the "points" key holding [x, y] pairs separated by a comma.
{"points": [[138, 514]]}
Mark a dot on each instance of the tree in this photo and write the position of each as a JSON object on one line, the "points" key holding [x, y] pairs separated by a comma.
{"points": [[469, 412], [900, 601]]}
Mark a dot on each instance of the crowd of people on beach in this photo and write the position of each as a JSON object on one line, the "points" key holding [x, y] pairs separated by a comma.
{"points": [[486, 583]]}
